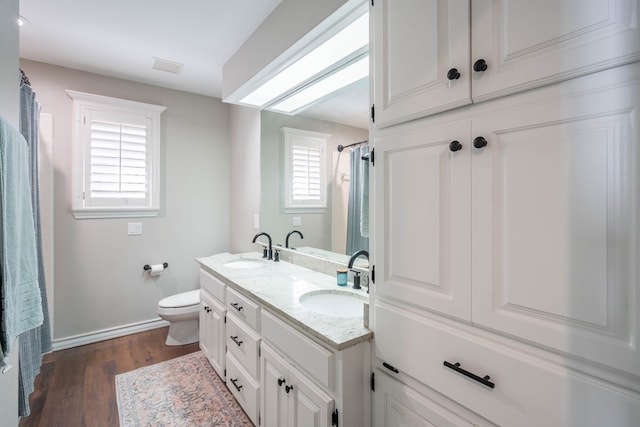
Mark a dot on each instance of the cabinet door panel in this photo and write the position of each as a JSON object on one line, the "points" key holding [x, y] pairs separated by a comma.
{"points": [[416, 43], [529, 44], [274, 399], [422, 211], [555, 236], [311, 406], [212, 328]]}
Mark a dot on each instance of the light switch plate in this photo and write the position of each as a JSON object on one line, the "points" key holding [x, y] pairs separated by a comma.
{"points": [[256, 221], [297, 221], [135, 229]]}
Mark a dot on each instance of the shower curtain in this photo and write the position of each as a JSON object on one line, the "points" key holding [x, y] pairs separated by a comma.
{"points": [[358, 210], [37, 341]]}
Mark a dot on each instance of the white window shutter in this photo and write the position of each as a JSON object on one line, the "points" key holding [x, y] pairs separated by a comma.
{"points": [[118, 160], [305, 175], [116, 157]]}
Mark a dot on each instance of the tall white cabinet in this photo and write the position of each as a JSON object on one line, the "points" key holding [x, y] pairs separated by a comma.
{"points": [[434, 55], [507, 231]]}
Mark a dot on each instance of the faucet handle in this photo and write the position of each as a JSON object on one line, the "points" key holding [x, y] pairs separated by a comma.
{"points": [[265, 252], [276, 256]]}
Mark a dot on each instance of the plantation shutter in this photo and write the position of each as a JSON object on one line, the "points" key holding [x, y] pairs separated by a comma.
{"points": [[306, 179], [305, 171], [118, 160]]}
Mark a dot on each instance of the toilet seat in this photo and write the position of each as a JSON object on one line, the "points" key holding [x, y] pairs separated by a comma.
{"points": [[184, 299]]}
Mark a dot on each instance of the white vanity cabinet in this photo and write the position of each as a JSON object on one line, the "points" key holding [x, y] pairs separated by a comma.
{"points": [[287, 365], [212, 321], [305, 384], [513, 254], [426, 53]]}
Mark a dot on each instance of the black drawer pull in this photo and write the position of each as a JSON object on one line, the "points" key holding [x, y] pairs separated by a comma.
{"points": [[484, 381], [281, 381], [288, 388], [236, 306], [234, 381], [389, 367], [235, 339]]}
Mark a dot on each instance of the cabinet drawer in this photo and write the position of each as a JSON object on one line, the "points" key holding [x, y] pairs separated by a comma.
{"points": [[303, 352], [243, 343], [212, 284], [528, 391], [243, 388], [244, 308], [397, 404]]}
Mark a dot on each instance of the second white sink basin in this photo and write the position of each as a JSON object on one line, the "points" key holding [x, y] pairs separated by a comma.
{"points": [[336, 303], [244, 263]]}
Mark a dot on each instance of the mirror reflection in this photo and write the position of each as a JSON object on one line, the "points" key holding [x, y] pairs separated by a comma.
{"points": [[341, 227]]}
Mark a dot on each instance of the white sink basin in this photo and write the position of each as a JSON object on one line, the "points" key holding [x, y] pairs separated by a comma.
{"points": [[334, 303], [244, 263]]}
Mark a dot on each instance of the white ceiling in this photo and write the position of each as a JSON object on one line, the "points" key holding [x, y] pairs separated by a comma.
{"points": [[121, 38]]}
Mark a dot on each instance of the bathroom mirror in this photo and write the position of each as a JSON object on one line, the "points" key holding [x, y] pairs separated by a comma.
{"points": [[344, 116]]}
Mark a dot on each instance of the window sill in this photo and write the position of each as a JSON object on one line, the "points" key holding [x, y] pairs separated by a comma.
{"points": [[309, 210], [88, 213]]}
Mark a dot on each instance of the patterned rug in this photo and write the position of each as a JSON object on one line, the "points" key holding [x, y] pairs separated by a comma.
{"points": [[184, 391]]}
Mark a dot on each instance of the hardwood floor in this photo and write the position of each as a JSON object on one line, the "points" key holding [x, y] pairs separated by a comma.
{"points": [[76, 387]]}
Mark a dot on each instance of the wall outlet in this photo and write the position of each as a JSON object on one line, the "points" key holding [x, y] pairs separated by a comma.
{"points": [[256, 221], [135, 229], [297, 221]]}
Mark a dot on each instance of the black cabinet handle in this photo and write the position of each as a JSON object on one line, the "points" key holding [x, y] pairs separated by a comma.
{"points": [[453, 74], [389, 367], [480, 65], [482, 380], [207, 309], [281, 381], [236, 306], [288, 388], [455, 146], [479, 142], [234, 381], [235, 339]]}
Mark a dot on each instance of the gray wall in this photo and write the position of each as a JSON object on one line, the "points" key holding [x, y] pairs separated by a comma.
{"points": [[99, 280], [316, 227], [9, 106], [244, 128]]}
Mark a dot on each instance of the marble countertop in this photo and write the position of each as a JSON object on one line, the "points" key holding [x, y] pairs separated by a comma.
{"points": [[278, 286]]}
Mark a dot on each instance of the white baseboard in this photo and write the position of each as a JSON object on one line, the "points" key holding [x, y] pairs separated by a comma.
{"points": [[105, 334]]}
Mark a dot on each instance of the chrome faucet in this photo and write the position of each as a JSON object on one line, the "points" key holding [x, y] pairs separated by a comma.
{"points": [[356, 274], [268, 254], [286, 245]]}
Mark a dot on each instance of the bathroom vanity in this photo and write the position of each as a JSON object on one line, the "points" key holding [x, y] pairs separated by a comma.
{"points": [[290, 344]]}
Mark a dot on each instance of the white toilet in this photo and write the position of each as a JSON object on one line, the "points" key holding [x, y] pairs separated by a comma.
{"points": [[182, 312]]}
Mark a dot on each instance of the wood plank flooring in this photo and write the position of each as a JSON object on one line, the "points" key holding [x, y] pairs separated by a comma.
{"points": [[76, 387]]}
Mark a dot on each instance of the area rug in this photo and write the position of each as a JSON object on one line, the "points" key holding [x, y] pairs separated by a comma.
{"points": [[184, 391]]}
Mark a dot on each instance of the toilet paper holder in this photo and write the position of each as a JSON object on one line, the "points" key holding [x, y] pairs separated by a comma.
{"points": [[148, 267]]}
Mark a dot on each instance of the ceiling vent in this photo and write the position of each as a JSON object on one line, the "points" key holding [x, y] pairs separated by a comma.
{"points": [[168, 66]]}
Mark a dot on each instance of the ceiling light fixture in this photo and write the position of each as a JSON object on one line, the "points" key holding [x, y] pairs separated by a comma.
{"points": [[304, 76], [318, 90]]}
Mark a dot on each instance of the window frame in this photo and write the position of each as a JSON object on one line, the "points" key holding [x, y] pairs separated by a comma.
{"points": [[308, 139], [83, 205]]}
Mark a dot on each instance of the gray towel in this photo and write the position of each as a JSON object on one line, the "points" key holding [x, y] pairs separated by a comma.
{"points": [[20, 301]]}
